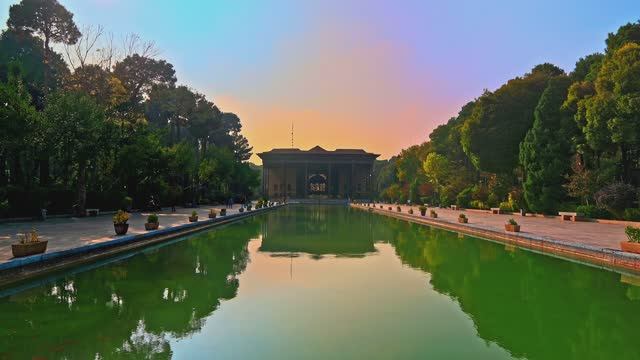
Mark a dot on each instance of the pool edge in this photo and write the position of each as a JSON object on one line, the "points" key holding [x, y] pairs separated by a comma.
{"points": [[609, 259], [21, 269]]}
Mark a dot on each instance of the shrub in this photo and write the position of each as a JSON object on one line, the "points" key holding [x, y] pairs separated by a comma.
{"points": [[464, 197], [594, 212], [616, 197], [633, 234], [422, 208], [512, 222], [510, 205], [29, 238], [121, 217], [462, 216], [632, 214], [478, 204], [194, 213], [152, 219]]}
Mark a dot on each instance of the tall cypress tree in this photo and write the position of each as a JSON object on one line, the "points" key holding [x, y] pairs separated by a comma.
{"points": [[545, 151]]}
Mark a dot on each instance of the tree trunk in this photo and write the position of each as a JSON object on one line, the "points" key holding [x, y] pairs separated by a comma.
{"points": [[44, 170], [81, 190]]}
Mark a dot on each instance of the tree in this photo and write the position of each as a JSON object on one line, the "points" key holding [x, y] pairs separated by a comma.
{"points": [[546, 150], [232, 128], [47, 19], [139, 74], [627, 33], [77, 130], [18, 122], [500, 120]]}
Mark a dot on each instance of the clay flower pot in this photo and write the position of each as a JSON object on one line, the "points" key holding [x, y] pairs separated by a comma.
{"points": [[433, 215], [463, 220], [631, 247], [21, 250], [151, 226], [423, 212], [512, 228], [399, 209], [193, 218], [212, 215], [223, 212], [121, 229]]}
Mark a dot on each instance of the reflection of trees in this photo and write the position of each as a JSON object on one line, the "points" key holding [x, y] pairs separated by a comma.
{"points": [[532, 305], [318, 230], [129, 308]]}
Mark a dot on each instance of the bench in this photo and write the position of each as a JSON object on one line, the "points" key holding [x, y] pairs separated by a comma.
{"points": [[573, 216], [496, 210], [454, 207], [92, 212]]}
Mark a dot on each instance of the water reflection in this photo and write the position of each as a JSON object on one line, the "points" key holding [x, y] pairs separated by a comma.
{"points": [[536, 307], [129, 308], [412, 291], [318, 231]]}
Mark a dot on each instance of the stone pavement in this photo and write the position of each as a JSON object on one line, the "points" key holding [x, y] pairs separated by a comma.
{"points": [[590, 233], [67, 233]]}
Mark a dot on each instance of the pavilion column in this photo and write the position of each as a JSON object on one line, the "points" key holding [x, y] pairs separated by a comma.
{"points": [[329, 180], [306, 179], [351, 187]]}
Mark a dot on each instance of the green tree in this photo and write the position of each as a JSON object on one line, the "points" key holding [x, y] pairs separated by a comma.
{"points": [[545, 152], [500, 120], [47, 19], [78, 132]]}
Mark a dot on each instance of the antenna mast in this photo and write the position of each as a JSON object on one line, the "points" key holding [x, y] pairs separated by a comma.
{"points": [[292, 134]]}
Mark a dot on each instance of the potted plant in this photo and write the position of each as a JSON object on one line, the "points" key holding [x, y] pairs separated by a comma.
{"points": [[193, 217], [390, 208], [152, 222], [120, 222], [212, 213], [398, 208], [248, 207], [633, 243], [423, 210], [462, 218], [28, 244], [512, 226], [241, 209], [381, 206], [223, 212], [433, 214], [410, 211]]}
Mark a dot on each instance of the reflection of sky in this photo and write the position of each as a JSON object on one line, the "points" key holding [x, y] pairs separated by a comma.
{"points": [[297, 306], [372, 74]]}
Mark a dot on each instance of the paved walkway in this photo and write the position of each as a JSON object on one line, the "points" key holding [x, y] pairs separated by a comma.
{"points": [[67, 233], [583, 232]]}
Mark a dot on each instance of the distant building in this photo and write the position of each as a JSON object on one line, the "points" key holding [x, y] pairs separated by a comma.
{"points": [[317, 173]]}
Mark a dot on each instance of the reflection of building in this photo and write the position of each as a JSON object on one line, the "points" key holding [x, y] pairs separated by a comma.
{"points": [[318, 230], [317, 173]]}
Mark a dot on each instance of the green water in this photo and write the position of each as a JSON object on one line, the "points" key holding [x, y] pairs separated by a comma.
{"points": [[325, 283]]}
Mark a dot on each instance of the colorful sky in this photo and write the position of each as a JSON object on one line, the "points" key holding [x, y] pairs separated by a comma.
{"points": [[378, 75]]}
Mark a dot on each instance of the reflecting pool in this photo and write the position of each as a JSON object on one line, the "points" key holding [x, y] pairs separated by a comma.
{"points": [[319, 282]]}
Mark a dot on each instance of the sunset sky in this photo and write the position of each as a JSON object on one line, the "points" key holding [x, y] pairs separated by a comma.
{"points": [[378, 75]]}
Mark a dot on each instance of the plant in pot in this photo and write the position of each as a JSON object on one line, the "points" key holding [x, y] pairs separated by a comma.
{"points": [[223, 212], [463, 219], [152, 222], [633, 243], [398, 209], [212, 213], [433, 214], [241, 209], [390, 208], [423, 210], [193, 217], [248, 207], [512, 226], [28, 244], [410, 211], [120, 222]]}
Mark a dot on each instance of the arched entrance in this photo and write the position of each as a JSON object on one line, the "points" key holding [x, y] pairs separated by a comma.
{"points": [[317, 184]]}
